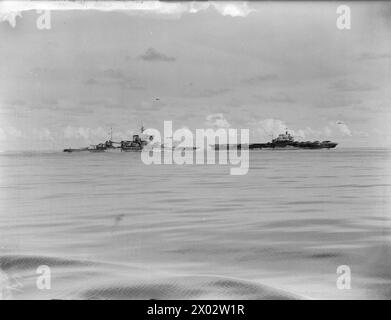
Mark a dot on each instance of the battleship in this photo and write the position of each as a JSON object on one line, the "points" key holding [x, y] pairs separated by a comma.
{"points": [[283, 141], [137, 144]]}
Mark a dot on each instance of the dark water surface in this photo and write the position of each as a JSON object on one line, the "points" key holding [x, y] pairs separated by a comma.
{"points": [[109, 226]]}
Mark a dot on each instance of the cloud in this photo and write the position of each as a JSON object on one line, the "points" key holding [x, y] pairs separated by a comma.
{"points": [[310, 133], [10, 9], [233, 9], [3, 135], [93, 135], [333, 129], [10, 133], [351, 85], [271, 127], [42, 134], [153, 55], [217, 120], [343, 128], [88, 134]]}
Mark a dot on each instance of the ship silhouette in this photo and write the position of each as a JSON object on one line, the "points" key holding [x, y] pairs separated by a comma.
{"points": [[283, 141], [137, 144]]}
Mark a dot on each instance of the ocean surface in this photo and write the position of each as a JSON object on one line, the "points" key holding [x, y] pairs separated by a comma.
{"points": [[110, 227]]}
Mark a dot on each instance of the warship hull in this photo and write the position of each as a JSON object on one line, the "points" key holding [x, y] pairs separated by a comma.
{"points": [[293, 145], [75, 150], [113, 150], [134, 149], [279, 146]]}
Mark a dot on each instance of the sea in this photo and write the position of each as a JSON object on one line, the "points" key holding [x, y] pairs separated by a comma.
{"points": [[301, 224]]}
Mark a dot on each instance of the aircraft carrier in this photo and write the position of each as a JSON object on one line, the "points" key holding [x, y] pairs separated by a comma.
{"points": [[283, 141]]}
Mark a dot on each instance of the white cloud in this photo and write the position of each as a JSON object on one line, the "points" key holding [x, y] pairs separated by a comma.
{"points": [[310, 133], [217, 120], [333, 129], [343, 128], [327, 131], [42, 134], [233, 9], [271, 127], [268, 128], [88, 134], [10, 9], [3, 135], [10, 133]]}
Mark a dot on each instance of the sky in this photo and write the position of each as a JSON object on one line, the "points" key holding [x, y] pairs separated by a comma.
{"points": [[257, 65]]}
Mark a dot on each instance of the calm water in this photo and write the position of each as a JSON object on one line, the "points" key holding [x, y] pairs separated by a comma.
{"points": [[109, 226]]}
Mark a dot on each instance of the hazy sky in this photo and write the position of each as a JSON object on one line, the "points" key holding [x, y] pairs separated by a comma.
{"points": [[261, 66]]}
